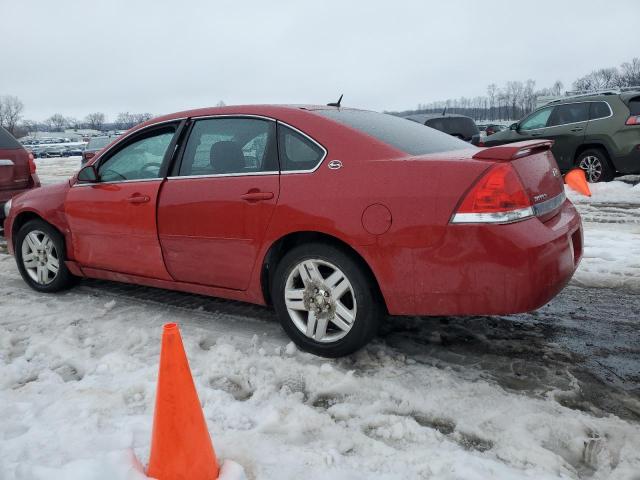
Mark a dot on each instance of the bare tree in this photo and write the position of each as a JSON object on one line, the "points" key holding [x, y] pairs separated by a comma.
{"points": [[95, 120], [221, 104], [56, 122], [630, 73], [10, 112], [126, 120]]}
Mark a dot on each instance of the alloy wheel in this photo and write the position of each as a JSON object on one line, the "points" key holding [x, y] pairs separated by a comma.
{"points": [[320, 300], [592, 166], [40, 257]]}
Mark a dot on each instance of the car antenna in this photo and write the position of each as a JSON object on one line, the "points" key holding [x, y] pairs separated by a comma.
{"points": [[444, 111], [336, 104]]}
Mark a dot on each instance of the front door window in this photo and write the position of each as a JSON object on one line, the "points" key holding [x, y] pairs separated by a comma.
{"points": [[536, 120], [139, 160]]}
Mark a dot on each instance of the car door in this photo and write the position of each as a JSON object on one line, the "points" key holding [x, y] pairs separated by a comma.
{"points": [[567, 125], [214, 209], [113, 221]]}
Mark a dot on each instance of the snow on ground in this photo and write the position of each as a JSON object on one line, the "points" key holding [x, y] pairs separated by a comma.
{"points": [[77, 385]]}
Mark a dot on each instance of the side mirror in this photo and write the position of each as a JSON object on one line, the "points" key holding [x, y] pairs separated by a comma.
{"points": [[88, 174], [514, 126]]}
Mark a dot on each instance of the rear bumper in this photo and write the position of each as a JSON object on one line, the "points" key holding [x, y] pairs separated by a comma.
{"points": [[497, 269], [628, 163]]}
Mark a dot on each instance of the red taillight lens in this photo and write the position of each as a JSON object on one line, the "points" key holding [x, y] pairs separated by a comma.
{"points": [[498, 197], [633, 120], [32, 164]]}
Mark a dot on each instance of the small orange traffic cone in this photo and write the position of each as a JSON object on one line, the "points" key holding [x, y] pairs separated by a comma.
{"points": [[577, 180], [181, 447]]}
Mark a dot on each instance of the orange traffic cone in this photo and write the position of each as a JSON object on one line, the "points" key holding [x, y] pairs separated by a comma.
{"points": [[577, 180], [181, 447]]}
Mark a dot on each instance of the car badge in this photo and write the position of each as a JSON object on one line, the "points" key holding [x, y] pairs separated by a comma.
{"points": [[555, 172], [335, 164], [539, 198]]}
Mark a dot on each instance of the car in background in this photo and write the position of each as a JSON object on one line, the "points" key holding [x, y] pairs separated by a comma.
{"points": [[17, 170], [458, 126], [73, 151], [335, 216], [94, 145], [53, 151], [599, 133]]}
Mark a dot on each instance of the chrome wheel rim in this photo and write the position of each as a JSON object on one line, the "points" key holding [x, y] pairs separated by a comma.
{"points": [[592, 166], [40, 257], [320, 300]]}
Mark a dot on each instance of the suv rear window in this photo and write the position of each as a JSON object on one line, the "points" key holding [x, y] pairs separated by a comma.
{"points": [[410, 137], [7, 141], [634, 106], [454, 126]]}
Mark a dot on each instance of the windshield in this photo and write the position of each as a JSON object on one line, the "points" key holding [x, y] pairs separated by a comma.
{"points": [[410, 137]]}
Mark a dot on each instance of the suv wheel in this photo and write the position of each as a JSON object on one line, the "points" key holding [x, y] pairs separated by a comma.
{"points": [[596, 165], [325, 300], [40, 256]]}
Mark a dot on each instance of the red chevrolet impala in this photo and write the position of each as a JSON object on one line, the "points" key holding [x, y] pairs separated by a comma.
{"points": [[334, 216]]}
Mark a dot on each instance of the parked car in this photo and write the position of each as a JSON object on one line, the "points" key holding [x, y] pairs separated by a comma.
{"points": [[53, 151], [17, 170], [94, 146], [599, 133], [494, 128], [338, 217], [458, 126], [73, 151]]}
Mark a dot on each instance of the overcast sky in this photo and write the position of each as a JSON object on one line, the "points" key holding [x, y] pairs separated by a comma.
{"points": [[76, 57]]}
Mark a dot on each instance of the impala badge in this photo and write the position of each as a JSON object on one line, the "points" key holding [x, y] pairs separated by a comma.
{"points": [[555, 172], [539, 198], [335, 164]]}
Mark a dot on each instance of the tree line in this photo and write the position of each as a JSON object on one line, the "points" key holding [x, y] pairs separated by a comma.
{"points": [[516, 99]]}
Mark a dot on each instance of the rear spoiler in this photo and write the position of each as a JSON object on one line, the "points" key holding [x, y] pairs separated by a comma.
{"points": [[511, 151]]}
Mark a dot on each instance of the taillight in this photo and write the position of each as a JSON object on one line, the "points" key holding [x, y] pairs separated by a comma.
{"points": [[633, 120], [32, 164], [498, 197]]}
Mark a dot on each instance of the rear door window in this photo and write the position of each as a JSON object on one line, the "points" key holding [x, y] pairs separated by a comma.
{"points": [[599, 110], [224, 146], [569, 113], [297, 152], [7, 141]]}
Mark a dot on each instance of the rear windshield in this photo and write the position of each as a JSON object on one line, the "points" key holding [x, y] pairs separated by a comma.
{"points": [[410, 137], [98, 143], [454, 126], [634, 106], [7, 141]]}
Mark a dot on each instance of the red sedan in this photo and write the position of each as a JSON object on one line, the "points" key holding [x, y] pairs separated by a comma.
{"points": [[334, 216]]}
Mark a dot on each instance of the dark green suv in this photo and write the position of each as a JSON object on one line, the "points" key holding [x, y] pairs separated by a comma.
{"points": [[599, 133]]}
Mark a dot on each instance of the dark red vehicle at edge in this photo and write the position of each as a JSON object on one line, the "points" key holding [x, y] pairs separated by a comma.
{"points": [[17, 169], [334, 216]]}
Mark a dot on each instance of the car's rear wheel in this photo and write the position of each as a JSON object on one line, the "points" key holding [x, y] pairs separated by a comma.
{"points": [[40, 256], [326, 301], [596, 166]]}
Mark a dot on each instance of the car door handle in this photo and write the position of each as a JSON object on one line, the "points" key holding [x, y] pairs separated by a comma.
{"points": [[138, 199], [577, 129], [256, 196]]}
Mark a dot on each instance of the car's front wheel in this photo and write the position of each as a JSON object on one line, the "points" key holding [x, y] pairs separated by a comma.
{"points": [[325, 299], [40, 256], [596, 165]]}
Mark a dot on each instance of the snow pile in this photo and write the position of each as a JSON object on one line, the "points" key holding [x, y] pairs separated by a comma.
{"points": [[611, 219], [77, 386]]}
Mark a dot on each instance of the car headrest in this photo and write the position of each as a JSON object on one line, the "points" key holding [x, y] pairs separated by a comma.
{"points": [[226, 157]]}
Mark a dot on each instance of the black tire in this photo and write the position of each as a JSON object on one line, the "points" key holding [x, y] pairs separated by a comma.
{"points": [[369, 310], [601, 171], [61, 280]]}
